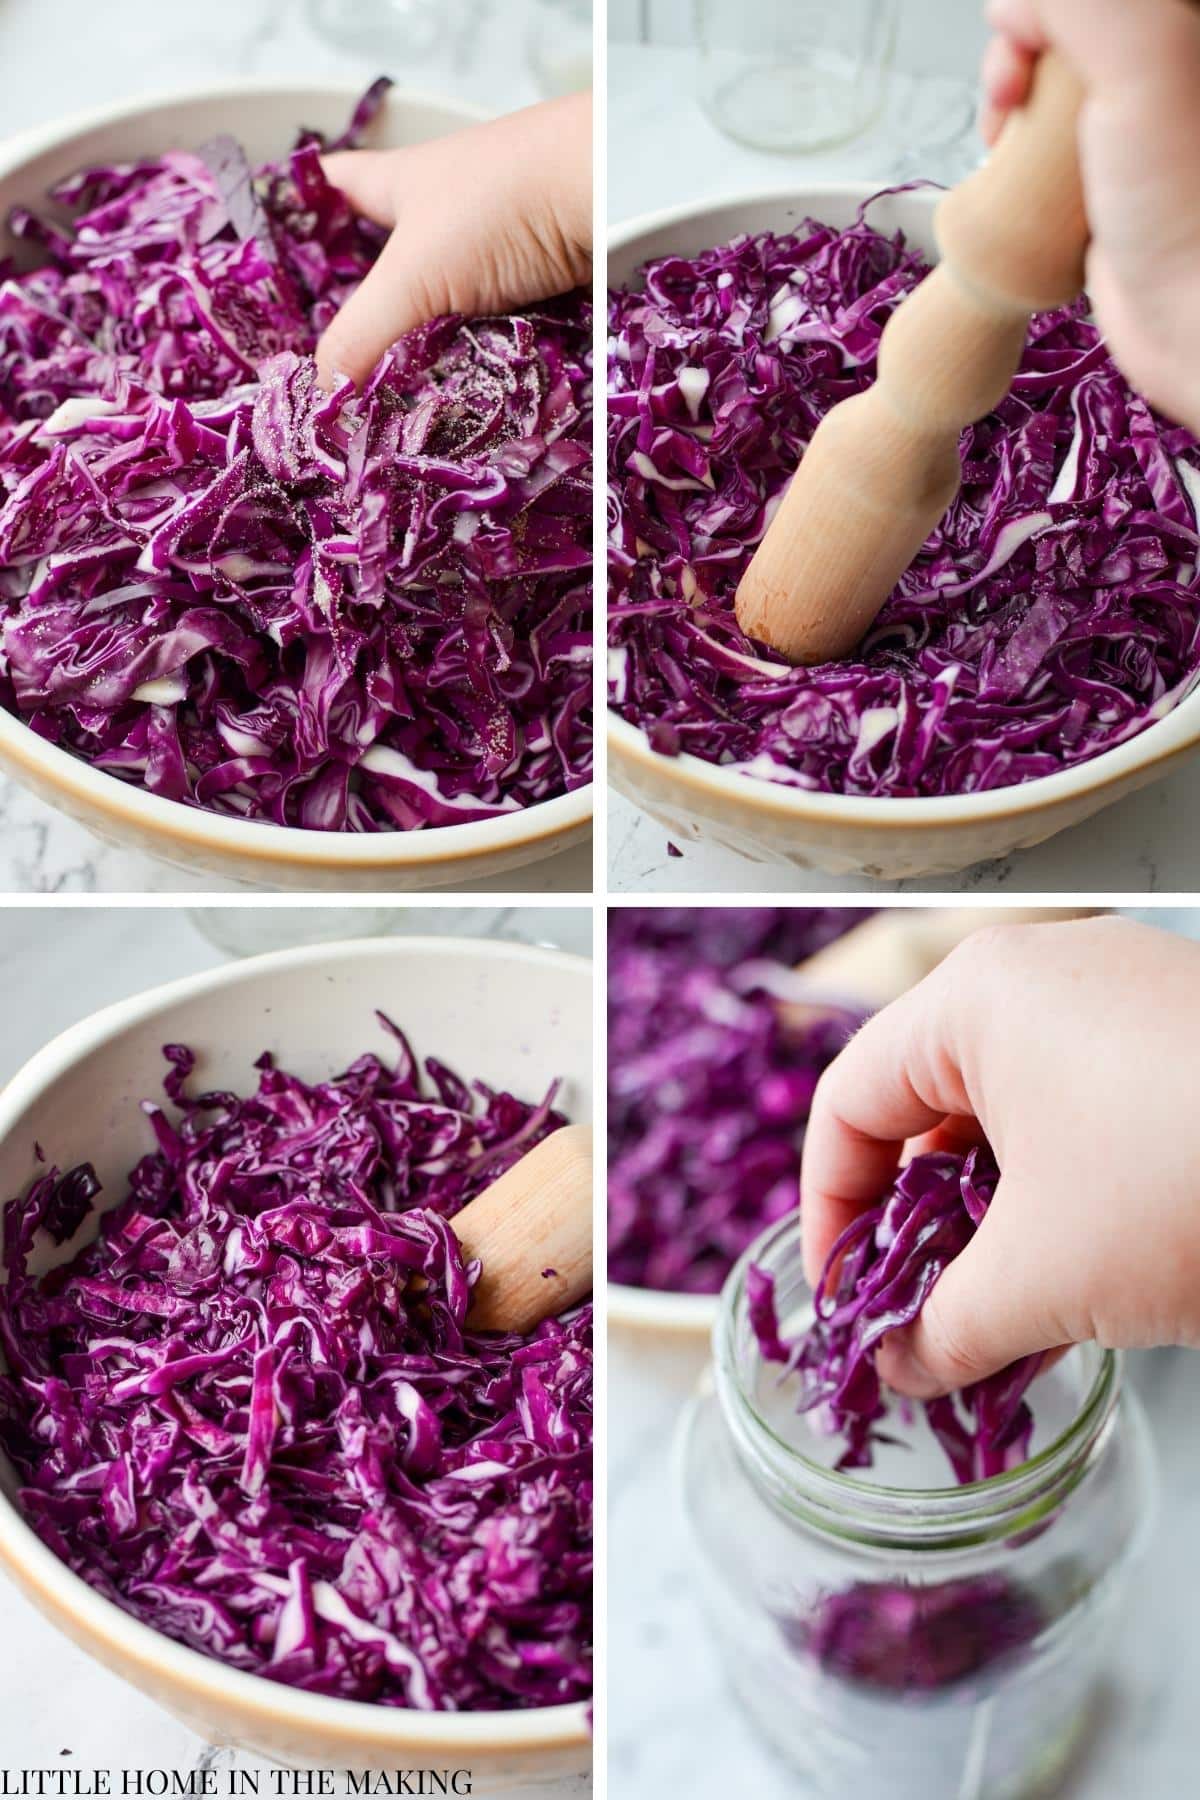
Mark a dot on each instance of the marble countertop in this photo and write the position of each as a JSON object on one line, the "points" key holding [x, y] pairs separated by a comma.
{"points": [[142, 46], [59, 966], [1146, 844], [1149, 843]]}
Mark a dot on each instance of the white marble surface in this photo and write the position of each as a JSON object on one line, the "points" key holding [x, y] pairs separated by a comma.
{"points": [[663, 151], [62, 56], [56, 966], [1147, 844], [674, 1726]]}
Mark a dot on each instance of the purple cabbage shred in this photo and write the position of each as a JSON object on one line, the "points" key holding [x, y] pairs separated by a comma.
{"points": [[252, 1414], [878, 1276], [709, 1084], [910, 1639], [1052, 614], [343, 612]]}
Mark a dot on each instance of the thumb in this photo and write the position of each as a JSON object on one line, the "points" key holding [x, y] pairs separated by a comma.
{"points": [[983, 1313]]}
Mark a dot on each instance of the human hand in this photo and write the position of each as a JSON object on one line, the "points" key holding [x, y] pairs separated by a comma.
{"points": [[1071, 1048], [1139, 143], [482, 221]]}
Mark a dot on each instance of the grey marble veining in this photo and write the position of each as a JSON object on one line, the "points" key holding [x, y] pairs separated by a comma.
{"points": [[1146, 844]]}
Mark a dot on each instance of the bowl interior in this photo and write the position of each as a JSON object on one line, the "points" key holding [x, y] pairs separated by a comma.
{"points": [[504, 1014], [685, 232], [265, 117]]}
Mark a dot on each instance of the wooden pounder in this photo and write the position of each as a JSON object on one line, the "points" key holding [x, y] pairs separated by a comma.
{"points": [[883, 467], [891, 951], [532, 1231]]}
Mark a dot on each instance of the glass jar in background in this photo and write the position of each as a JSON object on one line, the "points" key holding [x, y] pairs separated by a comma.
{"points": [[793, 74], [918, 1641], [558, 45], [380, 27], [252, 930]]}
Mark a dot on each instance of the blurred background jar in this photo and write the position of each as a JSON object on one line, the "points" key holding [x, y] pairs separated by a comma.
{"points": [[559, 45], [252, 930], [381, 27], [249, 930], [793, 75]]}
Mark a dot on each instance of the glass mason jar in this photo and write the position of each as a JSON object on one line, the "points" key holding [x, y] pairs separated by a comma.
{"points": [[251, 930], [919, 1641], [380, 27], [558, 45], [793, 74]]}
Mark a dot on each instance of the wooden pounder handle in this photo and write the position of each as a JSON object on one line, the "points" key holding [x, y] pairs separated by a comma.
{"points": [[532, 1231], [883, 467], [890, 952]]}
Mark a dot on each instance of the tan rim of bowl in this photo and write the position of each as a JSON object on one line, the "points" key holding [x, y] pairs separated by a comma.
{"points": [[654, 1312]]}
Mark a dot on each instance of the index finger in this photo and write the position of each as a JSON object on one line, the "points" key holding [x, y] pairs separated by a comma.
{"points": [[368, 179], [386, 303], [899, 1077]]}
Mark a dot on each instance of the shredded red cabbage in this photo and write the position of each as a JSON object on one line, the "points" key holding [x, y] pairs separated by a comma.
{"points": [[343, 612], [1052, 614], [878, 1276], [885, 1635], [709, 1087], [251, 1413]]}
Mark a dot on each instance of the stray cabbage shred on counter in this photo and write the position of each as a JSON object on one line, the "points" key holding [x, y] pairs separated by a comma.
{"points": [[251, 1412], [1052, 614], [344, 612]]}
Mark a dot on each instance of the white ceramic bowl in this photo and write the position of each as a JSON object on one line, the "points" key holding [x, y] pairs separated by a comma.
{"points": [[265, 117], [511, 1015], [764, 822], [668, 1334]]}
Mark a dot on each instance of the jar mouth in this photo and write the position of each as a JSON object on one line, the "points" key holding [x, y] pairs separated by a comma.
{"points": [[843, 1503]]}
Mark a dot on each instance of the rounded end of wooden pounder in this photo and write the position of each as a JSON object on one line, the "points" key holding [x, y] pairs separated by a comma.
{"points": [[532, 1232], [854, 517]]}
